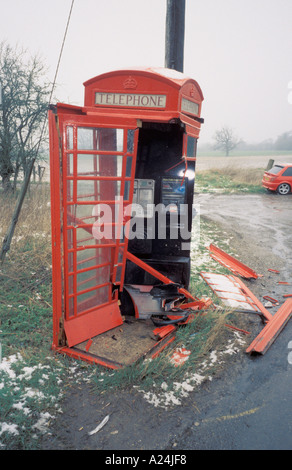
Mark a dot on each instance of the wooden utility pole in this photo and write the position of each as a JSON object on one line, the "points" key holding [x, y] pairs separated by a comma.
{"points": [[175, 35]]}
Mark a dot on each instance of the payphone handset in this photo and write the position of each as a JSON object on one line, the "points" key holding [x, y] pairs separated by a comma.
{"points": [[172, 197], [143, 198]]}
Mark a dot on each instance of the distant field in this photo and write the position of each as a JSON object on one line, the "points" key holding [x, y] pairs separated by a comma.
{"points": [[206, 162], [242, 153]]}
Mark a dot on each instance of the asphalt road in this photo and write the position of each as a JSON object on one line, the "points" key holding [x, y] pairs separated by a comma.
{"points": [[251, 407]]}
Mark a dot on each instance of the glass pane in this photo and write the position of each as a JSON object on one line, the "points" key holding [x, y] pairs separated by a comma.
{"points": [[87, 165], [71, 284], [276, 169], [69, 137], [71, 306], [101, 235], [127, 190], [121, 254], [88, 190], [70, 190], [130, 140], [70, 168], [81, 214], [100, 139], [93, 278], [191, 146], [93, 257], [70, 262], [86, 138], [93, 299], [119, 274], [111, 165], [120, 140], [129, 167], [70, 239], [84, 238], [99, 165], [288, 172]]}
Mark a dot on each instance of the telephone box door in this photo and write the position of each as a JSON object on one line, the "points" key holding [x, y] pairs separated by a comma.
{"points": [[98, 167]]}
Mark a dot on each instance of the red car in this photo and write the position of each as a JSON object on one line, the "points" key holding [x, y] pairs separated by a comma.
{"points": [[279, 178]]}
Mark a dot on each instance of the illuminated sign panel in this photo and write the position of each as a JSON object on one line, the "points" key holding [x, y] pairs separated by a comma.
{"points": [[188, 106], [130, 99]]}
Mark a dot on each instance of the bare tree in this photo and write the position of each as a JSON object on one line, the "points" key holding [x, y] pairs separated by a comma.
{"points": [[225, 140], [284, 141], [23, 109]]}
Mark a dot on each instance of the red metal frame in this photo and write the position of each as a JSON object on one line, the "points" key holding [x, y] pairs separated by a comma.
{"points": [[70, 325], [250, 298], [65, 275]]}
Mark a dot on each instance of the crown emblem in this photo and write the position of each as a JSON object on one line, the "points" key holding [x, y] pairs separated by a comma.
{"points": [[192, 90], [130, 83]]}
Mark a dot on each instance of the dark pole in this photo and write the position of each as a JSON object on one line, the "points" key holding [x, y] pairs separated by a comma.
{"points": [[175, 35]]}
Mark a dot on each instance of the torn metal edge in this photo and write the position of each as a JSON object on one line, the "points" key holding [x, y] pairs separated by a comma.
{"points": [[273, 328], [231, 263]]}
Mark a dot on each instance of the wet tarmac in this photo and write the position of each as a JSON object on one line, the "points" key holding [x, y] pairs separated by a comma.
{"points": [[265, 219], [251, 407]]}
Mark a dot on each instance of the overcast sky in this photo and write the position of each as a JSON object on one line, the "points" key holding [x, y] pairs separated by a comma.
{"points": [[239, 51]]}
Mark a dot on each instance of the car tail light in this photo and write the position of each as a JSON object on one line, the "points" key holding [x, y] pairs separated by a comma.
{"points": [[269, 177]]}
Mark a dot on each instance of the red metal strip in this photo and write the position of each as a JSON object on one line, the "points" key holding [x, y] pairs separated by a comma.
{"points": [[164, 330], [160, 346], [56, 221], [270, 332], [237, 329], [89, 343], [148, 268], [87, 357], [274, 301], [263, 310], [157, 274], [231, 263], [197, 305]]}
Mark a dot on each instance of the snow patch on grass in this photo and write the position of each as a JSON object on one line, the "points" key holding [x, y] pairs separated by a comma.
{"points": [[173, 393], [30, 397]]}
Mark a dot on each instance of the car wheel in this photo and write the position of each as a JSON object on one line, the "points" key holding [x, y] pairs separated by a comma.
{"points": [[284, 189]]}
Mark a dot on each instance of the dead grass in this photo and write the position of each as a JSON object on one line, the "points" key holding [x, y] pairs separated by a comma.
{"points": [[32, 233], [239, 175], [230, 179], [243, 175], [25, 275]]}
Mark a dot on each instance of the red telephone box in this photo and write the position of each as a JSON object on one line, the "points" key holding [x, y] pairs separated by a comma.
{"points": [[133, 141]]}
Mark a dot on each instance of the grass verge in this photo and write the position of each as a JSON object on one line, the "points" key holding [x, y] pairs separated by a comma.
{"points": [[230, 180]]}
